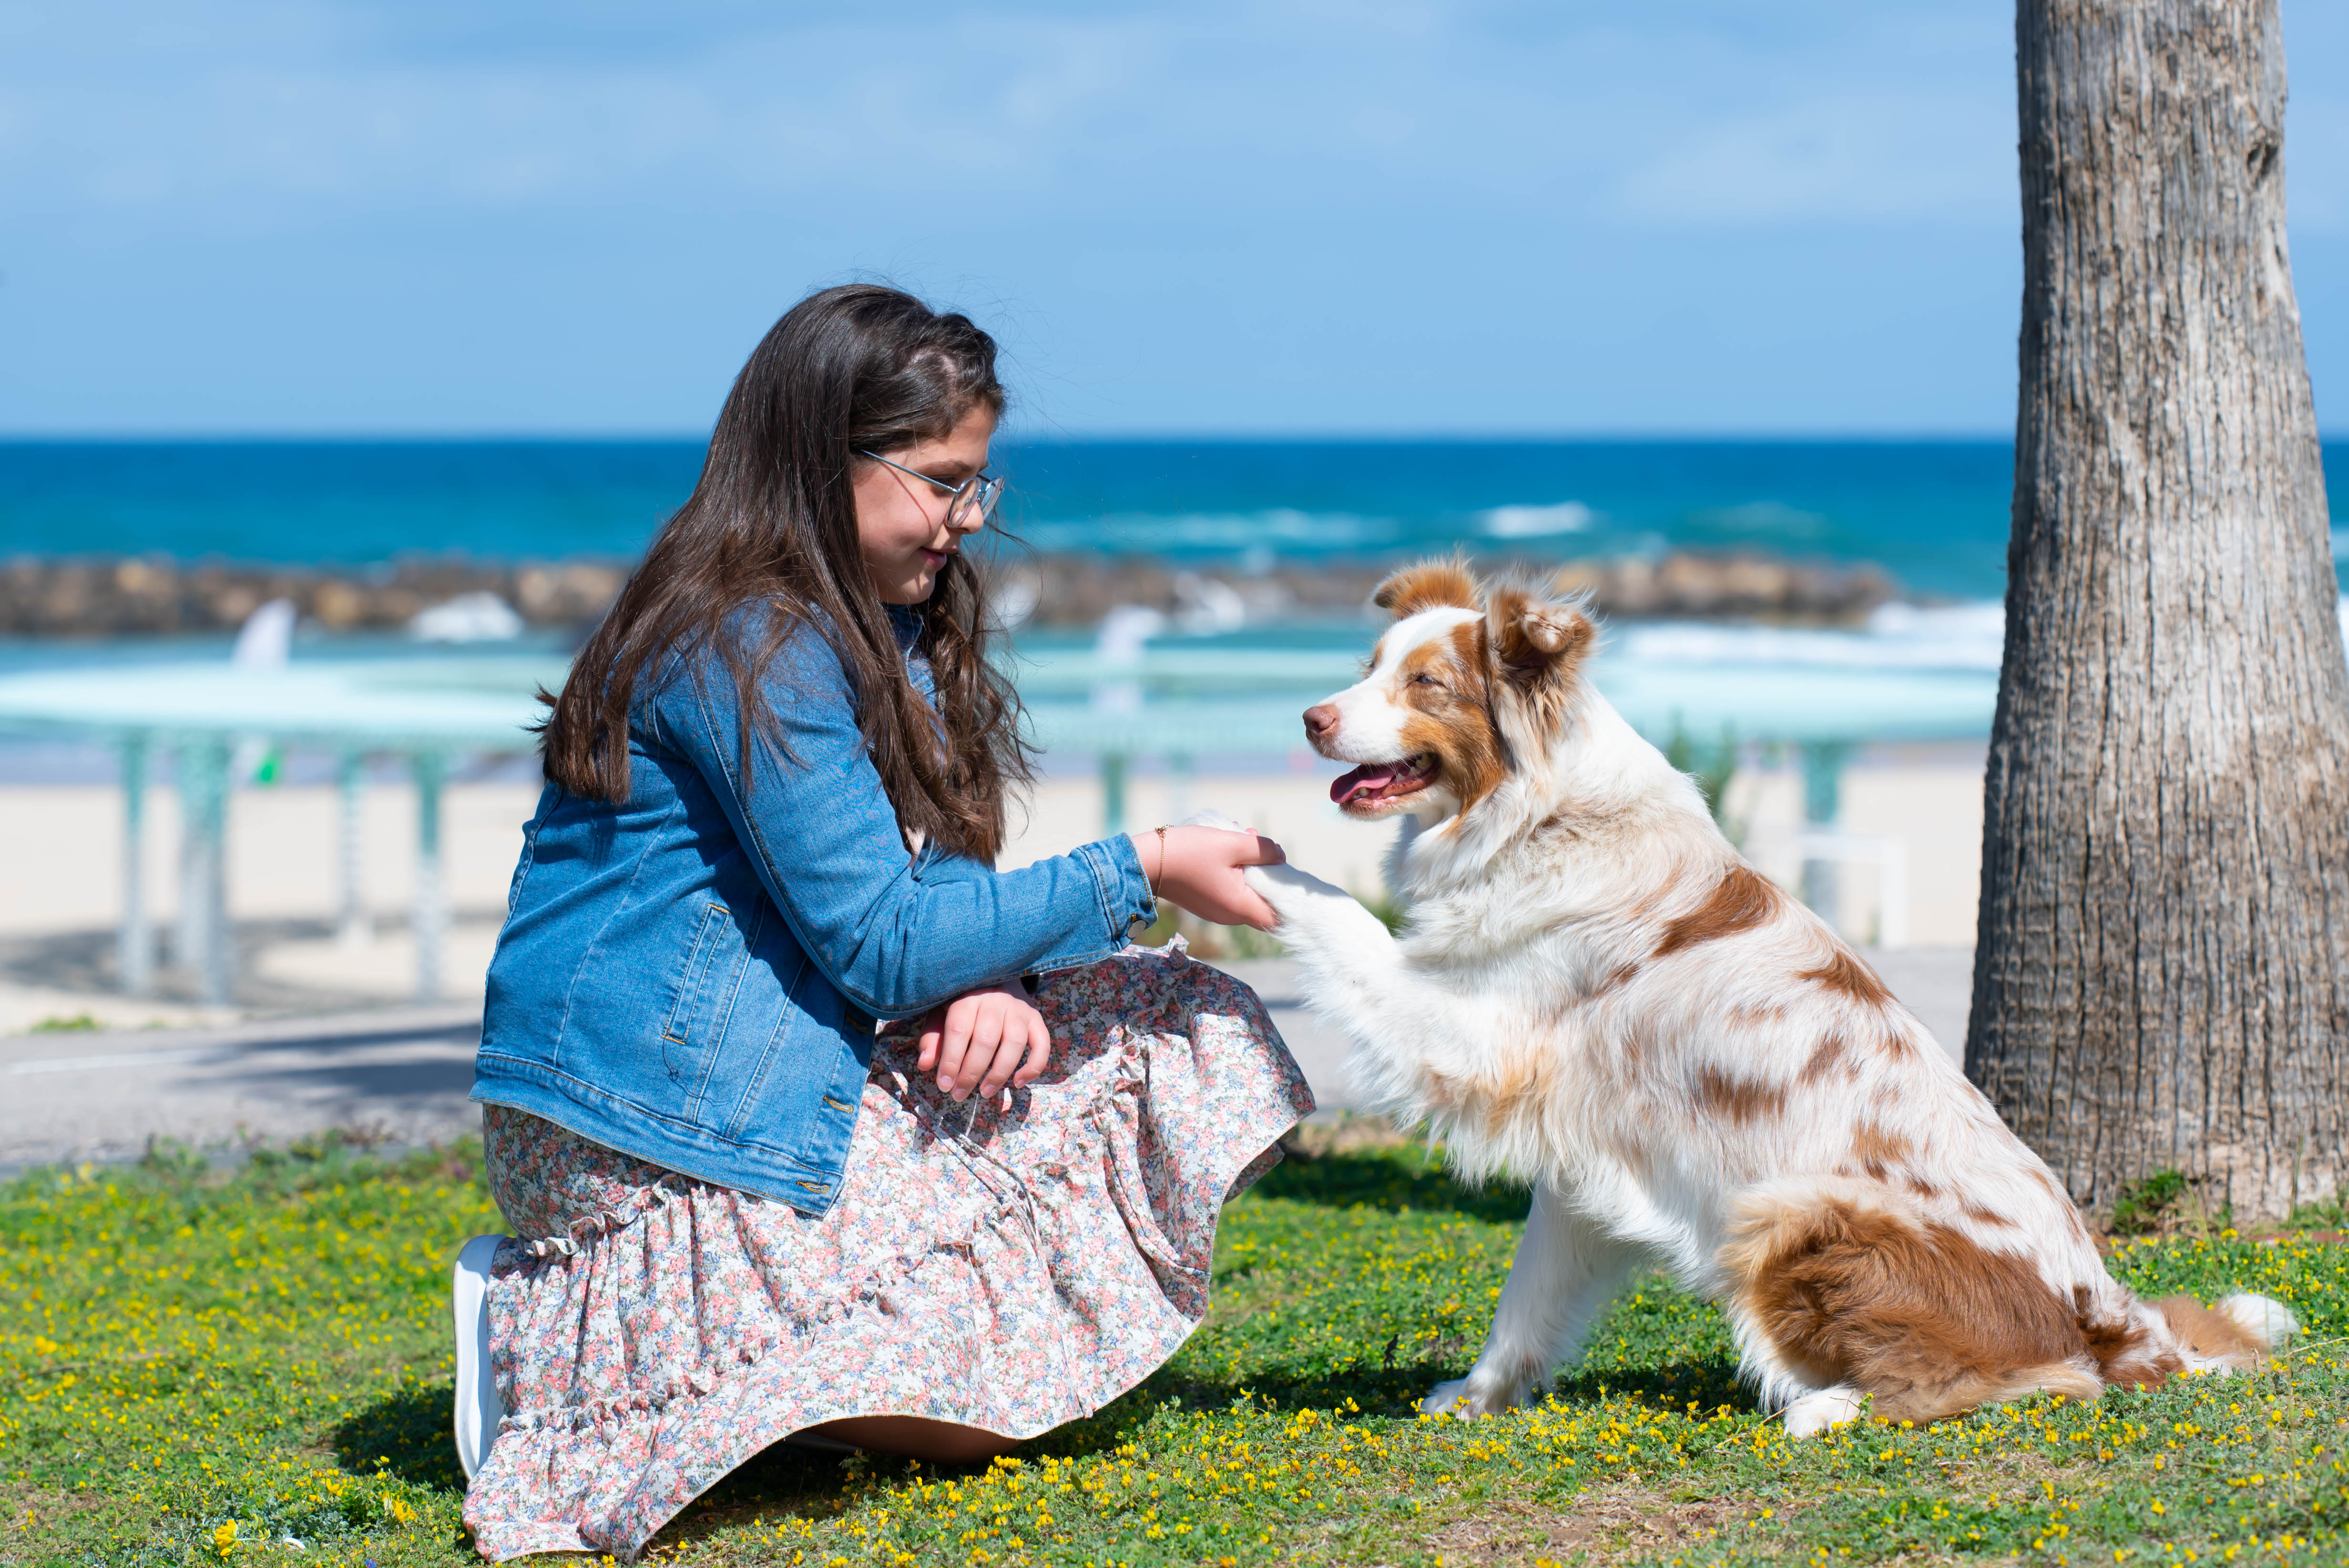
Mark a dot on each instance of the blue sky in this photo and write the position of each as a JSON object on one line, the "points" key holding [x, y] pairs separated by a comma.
{"points": [[1637, 215]]}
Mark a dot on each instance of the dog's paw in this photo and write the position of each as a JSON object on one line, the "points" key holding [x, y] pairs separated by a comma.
{"points": [[1448, 1399], [1299, 886], [1815, 1413], [1304, 900], [1213, 818], [1469, 1397]]}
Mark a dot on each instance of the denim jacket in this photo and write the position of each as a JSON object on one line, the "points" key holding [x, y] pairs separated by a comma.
{"points": [[690, 976]]}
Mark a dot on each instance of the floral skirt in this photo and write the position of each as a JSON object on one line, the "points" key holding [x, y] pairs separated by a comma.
{"points": [[1005, 1267]]}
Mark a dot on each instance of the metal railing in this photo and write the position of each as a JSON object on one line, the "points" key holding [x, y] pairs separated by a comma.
{"points": [[1178, 705]]}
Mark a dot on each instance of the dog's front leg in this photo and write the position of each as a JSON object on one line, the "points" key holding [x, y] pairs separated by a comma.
{"points": [[1564, 1274], [1355, 976], [1350, 961]]}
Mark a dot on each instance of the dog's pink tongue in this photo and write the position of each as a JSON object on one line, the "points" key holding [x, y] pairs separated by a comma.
{"points": [[1367, 779]]}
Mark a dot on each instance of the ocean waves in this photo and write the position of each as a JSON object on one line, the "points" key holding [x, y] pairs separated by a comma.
{"points": [[1299, 531], [1895, 637], [1970, 636], [1535, 522], [1284, 530], [1929, 516], [1293, 531]]}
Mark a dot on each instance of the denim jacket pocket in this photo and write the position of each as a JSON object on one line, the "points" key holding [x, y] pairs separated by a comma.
{"points": [[693, 987]]}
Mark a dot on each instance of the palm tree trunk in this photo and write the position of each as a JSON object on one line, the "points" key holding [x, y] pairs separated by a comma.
{"points": [[2161, 978]]}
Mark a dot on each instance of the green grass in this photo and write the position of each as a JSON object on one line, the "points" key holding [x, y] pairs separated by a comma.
{"points": [[194, 1366]]}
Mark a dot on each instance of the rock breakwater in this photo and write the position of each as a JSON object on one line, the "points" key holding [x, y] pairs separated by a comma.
{"points": [[90, 597], [49, 596], [1075, 590]]}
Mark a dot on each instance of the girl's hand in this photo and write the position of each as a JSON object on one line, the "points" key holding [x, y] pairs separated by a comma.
{"points": [[1202, 872], [977, 1041]]}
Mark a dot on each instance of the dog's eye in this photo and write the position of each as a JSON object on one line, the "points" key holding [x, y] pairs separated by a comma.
{"points": [[1427, 680]]}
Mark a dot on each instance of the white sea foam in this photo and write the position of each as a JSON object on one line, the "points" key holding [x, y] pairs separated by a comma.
{"points": [[1970, 636], [1897, 636], [1535, 522], [480, 616], [1274, 528]]}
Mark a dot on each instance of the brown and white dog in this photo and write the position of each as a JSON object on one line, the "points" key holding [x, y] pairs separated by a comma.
{"points": [[1595, 990]]}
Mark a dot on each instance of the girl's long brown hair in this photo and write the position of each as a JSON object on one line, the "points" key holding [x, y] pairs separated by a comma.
{"points": [[772, 523]]}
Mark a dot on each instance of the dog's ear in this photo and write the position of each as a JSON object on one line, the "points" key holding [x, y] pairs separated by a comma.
{"points": [[1426, 586], [1536, 639]]}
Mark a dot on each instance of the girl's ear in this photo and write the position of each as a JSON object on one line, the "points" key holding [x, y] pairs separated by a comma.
{"points": [[1426, 586], [1536, 640]]}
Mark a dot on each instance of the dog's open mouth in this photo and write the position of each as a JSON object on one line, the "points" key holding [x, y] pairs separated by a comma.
{"points": [[1374, 782]]}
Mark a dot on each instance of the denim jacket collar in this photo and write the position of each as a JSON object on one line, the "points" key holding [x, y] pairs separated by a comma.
{"points": [[906, 621]]}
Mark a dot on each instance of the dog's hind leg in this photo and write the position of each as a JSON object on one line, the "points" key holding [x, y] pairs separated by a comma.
{"points": [[1840, 1289], [1564, 1274]]}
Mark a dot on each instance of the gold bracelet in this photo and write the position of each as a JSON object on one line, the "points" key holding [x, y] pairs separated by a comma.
{"points": [[1162, 864]]}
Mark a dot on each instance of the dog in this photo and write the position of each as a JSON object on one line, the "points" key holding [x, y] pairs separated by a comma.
{"points": [[1595, 989]]}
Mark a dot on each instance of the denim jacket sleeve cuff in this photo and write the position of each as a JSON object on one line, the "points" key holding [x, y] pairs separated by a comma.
{"points": [[1119, 879]]}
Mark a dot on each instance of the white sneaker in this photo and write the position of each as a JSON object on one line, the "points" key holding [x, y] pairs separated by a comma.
{"points": [[478, 1411]]}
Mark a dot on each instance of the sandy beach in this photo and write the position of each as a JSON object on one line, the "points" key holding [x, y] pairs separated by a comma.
{"points": [[328, 1033], [61, 884]]}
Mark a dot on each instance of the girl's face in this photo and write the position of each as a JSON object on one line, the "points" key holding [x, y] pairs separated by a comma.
{"points": [[901, 520]]}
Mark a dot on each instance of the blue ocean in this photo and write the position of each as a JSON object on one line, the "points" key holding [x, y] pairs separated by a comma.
{"points": [[1933, 513]]}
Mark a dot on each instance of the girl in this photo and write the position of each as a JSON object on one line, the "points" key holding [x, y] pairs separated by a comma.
{"points": [[777, 783]]}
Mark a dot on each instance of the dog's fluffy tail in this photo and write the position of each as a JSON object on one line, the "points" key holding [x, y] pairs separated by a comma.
{"points": [[2235, 1335]]}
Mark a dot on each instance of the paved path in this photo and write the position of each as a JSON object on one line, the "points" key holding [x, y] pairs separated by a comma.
{"points": [[102, 1095], [405, 1071], [1938, 984]]}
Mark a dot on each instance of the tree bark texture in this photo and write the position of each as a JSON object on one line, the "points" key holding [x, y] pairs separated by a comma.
{"points": [[2161, 978]]}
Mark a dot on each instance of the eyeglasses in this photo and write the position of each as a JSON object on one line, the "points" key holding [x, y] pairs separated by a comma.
{"points": [[973, 499]]}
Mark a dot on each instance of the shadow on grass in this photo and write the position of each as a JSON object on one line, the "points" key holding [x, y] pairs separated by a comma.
{"points": [[1709, 1384], [792, 1483], [787, 1483], [408, 1434], [798, 1483], [1392, 1178], [1396, 1391]]}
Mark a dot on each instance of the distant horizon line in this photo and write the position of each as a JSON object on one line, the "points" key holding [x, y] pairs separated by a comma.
{"points": [[1086, 438], [1080, 438]]}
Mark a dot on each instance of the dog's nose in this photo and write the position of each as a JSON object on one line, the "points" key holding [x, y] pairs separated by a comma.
{"points": [[1320, 719]]}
